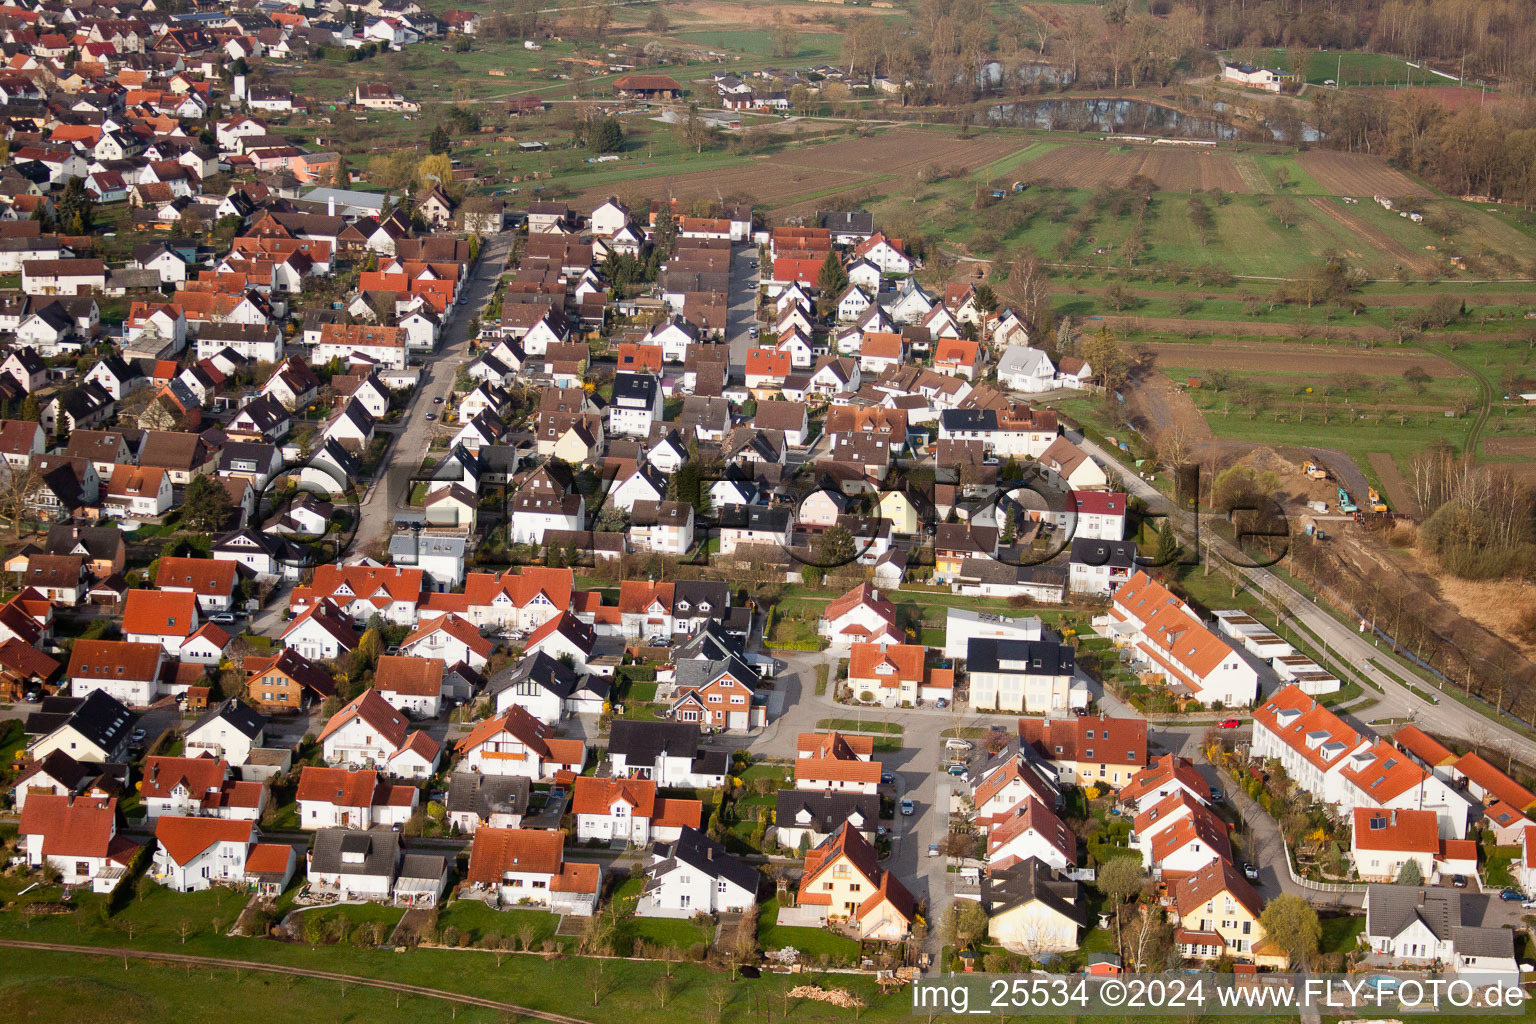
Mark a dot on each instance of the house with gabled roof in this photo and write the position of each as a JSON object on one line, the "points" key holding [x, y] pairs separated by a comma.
{"points": [[321, 632], [1170, 640], [1216, 913], [844, 884], [352, 798], [128, 671], [859, 616], [693, 874], [1162, 778], [515, 866], [366, 731], [1384, 841], [198, 787], [1032, 909], [1030, 830], [897, 673], [629, 811], [835, 762], [76, 835], [1093, 750], [516, 743], [363, 591]]}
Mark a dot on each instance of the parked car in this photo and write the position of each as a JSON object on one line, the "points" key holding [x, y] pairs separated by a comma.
{"points": [[431, 415], [957, 770], [222, 618], [438, 400], [941, 703], [1230, 723], [1459, 881], [933, 849], [1512, 895], [887, 779], [908, 807], [138, 736], [1250, 872]]}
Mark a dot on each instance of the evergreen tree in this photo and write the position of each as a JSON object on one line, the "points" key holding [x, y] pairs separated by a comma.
{"points": [[438, 142], [664, 232], [75, 208], [1167, 545], [832, 278]]}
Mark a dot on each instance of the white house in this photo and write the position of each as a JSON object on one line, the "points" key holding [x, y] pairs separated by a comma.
{"points": [[693, 874], [192, 854], [348, 798], [516, 743]]}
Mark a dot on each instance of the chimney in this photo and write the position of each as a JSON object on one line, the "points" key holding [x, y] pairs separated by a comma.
{"points": [[330, 206], [1394, 816]]}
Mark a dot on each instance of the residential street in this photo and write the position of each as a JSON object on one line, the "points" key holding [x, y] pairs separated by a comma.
{"points": [[414, 432]]}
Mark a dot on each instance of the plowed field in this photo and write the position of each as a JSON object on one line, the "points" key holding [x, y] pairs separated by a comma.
{"points": [[1354, 174], [1174, 170]]}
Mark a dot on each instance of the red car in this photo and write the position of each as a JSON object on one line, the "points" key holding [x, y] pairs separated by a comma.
{"points": [[1230, 723]]}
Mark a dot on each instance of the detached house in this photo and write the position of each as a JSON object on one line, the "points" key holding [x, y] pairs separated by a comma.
{"points": [[843, 881], [352, 798], [516, 743], [77, 836], [693, 874], [628, 810], [515, 866], [838, 763]]}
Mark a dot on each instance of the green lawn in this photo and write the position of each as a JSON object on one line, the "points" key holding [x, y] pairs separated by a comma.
{"points": [[813, 942], [485, 925], [1496, 864], [1340, 933], [861, 725]]}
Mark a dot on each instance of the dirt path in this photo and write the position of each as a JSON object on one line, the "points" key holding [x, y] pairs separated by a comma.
{"points": [[254, 965], [1379, 239], [1399, 498]]}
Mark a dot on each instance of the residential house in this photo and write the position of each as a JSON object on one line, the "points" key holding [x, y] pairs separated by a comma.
{"points": [[693, 874], [352, 798], [843, 880]]}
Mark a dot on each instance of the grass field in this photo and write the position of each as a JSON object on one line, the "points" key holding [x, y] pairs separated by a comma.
{"points": [[1352, 67]]}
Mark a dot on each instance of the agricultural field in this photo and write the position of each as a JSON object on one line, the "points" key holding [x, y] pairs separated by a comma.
{"points": [[1097, 166]]}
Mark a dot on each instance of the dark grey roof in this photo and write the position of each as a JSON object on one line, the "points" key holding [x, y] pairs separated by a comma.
{"points": [[380, 852], [710, 642], [688, 595], [968, 419], [695, 850], [849, 222], [828, 810], [1120, 554], [635, 389], [485, 795], [754, 517], [1391, 908], [98, 716], [641, 743], [537, 672], [240, 715], [423, 866], [1026, 657], [1027, 882], [96, 541]]}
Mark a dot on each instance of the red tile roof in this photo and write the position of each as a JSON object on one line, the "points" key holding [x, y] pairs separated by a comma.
{"points": [[902, 663], [414, 677], [160, 613], [70, 826], [200, 774], [115, 659], [597, 796], [339, 786], [456, 627], [1423, 746], [206, 577], [373, 709], [185, 838], [497, 851], [1489, 778], [1399, 831]]}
